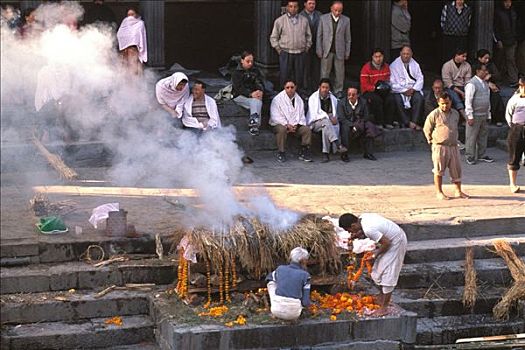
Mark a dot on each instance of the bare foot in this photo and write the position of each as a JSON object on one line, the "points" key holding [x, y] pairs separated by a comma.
{"points": [[442, 196], [514, 188], [461, 195], [412, 125], [380, 312]]}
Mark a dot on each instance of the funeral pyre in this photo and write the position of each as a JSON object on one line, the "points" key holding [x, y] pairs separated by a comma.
{"points": [[220, 269]]}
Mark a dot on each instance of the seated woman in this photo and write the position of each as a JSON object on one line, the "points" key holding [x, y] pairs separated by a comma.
{"points": [[132, 41], [172, 92], [497, 107]]}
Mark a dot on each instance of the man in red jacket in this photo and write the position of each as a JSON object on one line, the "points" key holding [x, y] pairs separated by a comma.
{"points": [[375, 79]]}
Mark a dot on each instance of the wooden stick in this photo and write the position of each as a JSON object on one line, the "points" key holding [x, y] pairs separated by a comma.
{"points": [[55, 161], [110, 261], [105, 291]]}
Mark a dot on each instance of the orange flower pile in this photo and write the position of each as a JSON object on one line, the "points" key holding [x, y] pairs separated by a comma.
{"points": [[353, 277], [117, 321], [182, 275], [217, 311], [342, 302], [241, 321]]}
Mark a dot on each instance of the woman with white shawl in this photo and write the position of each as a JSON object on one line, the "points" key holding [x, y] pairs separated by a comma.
{"points": [[132, 41], [172, 92]]}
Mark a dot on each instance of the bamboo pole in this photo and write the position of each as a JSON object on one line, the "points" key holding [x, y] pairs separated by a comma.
{"points": [[55, 161]]}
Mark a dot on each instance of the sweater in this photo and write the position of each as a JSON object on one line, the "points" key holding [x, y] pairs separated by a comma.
{"points": [[453, 75], [370, 76], [400, 23], [477, 99], [289, 37], [453, 22]]}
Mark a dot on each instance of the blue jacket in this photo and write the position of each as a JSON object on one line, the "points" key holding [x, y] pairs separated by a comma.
{"points": [[292, 282]]}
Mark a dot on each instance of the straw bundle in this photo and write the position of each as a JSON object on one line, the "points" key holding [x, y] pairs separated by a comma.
{"points": [[56, 162], [471, 289], [515, 264]]}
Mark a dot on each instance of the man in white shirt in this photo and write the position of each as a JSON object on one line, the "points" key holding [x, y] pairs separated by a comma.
{"points": [[407, 86], [388, 256], [287, 117], [200, 110], [477, 109]]}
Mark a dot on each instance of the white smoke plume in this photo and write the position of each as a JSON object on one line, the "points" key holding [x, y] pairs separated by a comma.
{"points": [[119, 109]]}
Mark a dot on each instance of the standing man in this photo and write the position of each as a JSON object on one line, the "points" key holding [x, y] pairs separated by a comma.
{"points": [[441, 131], [200, 111], [352, 113], [515, 117], [291, 38], [387, 258], [407, 86], [289, 286], [312, 65], [321, 117], [455, 24], [400, 27], [287, 117], [456, 73], [477, 109], [333, 45], [380, 101], [505, 35]]}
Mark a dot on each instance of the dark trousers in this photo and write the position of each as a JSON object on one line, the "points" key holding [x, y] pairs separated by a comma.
{"points": [[382, 107], [312, 71], [291, 66], [516, 144], [451, 43], [497, 108], [414, 113], [350, 134]]}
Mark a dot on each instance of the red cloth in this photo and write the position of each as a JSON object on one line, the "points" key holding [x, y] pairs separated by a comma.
{"points": [[370, 76]]}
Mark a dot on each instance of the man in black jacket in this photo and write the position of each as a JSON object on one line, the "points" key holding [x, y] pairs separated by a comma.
{"points": [[505, 34]]}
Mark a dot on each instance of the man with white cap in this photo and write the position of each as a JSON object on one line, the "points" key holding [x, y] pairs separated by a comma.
{"points": [[388, 257], [289, 286]]}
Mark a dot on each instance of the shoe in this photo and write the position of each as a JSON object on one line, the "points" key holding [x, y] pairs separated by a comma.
{"points": [[342, 149], [326, 158], [486, 159], [304, 155], [369, 156], [461, 146], [396, 124], [388, 126], [254, 120], [254, 130], [344, 157], [246, 160], [281, 157], [471, 161], [499, 124]]}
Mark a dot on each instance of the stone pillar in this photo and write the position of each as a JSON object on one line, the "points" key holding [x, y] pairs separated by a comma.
{"points": [[377, 19], [482, 25], [25, 4], [265, 14], [152, 13]]}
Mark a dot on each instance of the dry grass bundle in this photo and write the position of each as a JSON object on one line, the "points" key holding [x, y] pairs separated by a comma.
{"points": [[515, 264], [501, 310], [56, 162], [470, 291], [258, 249]]}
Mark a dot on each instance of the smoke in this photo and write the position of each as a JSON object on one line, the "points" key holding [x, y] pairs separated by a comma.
{"points": [[109, 104]]}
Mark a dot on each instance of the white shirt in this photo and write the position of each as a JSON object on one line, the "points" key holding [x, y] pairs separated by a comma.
{"points": [[470, 89], [375, 227]]}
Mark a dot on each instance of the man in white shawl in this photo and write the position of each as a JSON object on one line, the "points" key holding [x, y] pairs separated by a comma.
{"points": [[287, 117], [407, 87], [132, 41], [172, 92], [200, 111], [321, 117], [388, 257]]}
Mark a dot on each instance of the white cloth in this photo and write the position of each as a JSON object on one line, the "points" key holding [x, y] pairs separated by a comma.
{"points": [[387, 266], [314, 108], [283, 307], [400, 79], [211, 107], [342, 235], [132, 32], [53, 83], [102, 212], [282, 111], [363, 245], [169, 96]]}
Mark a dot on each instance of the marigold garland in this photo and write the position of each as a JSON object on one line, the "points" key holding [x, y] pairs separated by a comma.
{"points": [[342, 302], [234, 273], [221, 285], [182, 275], [227, 280], [353, 277], [208, 283]]}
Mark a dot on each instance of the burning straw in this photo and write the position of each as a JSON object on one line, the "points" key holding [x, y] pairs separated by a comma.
{"points": [[517, 269], [56, 162], [470, 291]]}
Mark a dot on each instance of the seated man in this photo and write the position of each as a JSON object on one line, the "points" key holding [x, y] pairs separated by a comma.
{"points": [[287, 117], [247, 90], [456, 73], [322, 106], [352, 113], [289, 286], [379, 100], [200, 110], [407, 86], [172, 93]]}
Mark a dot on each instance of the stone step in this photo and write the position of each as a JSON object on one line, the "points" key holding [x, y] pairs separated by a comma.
{"points": [[446, 330], [71, 307], [451, 273], [438, 301], [454, 248], [139, 346], [92, 333], [502, 145], [80, 275]]}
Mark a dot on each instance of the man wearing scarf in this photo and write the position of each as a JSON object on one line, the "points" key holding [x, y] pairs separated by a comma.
{"points": [[200, 110], [291, 38]]}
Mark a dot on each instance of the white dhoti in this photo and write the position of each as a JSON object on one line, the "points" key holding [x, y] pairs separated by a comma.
{"points": [[283, 307], [387, 266]]}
